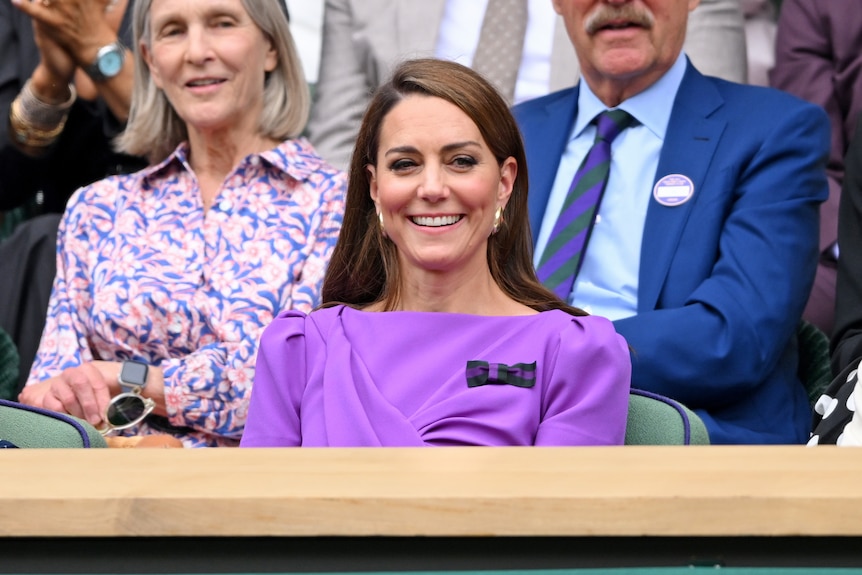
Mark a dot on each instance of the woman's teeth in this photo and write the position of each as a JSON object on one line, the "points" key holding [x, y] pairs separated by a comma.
{"points": [[436, 221]]}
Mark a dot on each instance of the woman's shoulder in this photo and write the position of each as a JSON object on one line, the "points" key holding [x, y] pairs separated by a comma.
{"points": [[587, 331], [100, 198], [294, 321]]}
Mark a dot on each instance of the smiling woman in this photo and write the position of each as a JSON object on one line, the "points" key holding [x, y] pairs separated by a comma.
{"points": [[435, 330], [439, 193], [181, 265]]}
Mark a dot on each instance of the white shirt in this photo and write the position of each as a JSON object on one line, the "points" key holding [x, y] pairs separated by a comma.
{"points": [[459, 32]]}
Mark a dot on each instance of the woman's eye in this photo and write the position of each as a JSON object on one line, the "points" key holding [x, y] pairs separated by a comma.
{"points": [[400, 165], [170, 31], [464, 161]]}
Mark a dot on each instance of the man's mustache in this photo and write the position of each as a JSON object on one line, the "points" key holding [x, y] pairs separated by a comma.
{"points": [[605, 14]]}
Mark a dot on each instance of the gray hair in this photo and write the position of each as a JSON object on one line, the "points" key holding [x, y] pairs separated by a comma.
{"points": [[154, 129]]}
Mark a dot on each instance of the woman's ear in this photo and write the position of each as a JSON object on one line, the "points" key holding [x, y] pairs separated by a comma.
{"points": [[271, 62], [508, 173], [372, 182]]}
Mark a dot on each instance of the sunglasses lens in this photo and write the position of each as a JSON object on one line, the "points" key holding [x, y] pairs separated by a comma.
{"points": [[126, 410]]}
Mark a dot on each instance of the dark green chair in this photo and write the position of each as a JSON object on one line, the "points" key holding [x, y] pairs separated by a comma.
{"points": [[9, 361], [814, 369], [657, 420]]}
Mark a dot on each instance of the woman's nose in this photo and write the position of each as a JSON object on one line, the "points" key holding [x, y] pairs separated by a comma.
{"points": [[433, 187], [198, 49]]}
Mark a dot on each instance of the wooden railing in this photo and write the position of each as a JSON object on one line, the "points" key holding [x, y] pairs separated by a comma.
{"points": [[534, 492]]}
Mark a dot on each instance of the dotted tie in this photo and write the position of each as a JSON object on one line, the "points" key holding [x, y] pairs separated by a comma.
{"points": [[501, 44], [561, 259]]}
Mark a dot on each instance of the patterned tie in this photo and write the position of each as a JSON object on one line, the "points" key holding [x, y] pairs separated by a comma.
{"points": [[501, 44], [561, 259]]}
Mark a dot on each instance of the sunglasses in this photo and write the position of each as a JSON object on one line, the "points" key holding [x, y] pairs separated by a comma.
{"points": [[126, 410]]}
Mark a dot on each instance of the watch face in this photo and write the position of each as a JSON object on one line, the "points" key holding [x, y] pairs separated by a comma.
{"points": [[111, 63], [134, 373]]}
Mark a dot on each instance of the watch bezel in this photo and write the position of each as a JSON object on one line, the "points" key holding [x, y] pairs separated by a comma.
{"points": [[133, 375], [96, 71]]}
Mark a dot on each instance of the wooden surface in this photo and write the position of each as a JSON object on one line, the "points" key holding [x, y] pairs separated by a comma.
{"points": [[631, 491]]}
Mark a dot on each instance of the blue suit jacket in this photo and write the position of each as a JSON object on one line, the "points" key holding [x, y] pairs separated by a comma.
{"points": [[725, 276]]}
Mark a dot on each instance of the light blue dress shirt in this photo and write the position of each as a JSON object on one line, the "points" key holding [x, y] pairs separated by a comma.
{"points": [[607, 284]]}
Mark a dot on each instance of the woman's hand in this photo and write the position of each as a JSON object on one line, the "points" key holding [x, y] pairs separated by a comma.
{"points": [[78, 26], [83, 391], [56, 69]]}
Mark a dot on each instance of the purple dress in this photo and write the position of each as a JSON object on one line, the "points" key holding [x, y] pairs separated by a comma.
{"points": [[342, 377]]}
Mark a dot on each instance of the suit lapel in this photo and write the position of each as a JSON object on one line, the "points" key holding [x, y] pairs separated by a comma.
{"points": [[689, 147], [546, 132]]}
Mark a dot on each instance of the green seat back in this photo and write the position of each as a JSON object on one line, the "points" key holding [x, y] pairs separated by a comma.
{"points": [[26, 426], [657, 420]]}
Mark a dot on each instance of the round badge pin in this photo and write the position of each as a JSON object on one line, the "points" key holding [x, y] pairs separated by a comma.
{"points": [[673, 190]]}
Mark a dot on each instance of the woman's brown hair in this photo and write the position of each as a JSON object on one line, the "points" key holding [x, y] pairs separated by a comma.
{"points": [[364, 266]]}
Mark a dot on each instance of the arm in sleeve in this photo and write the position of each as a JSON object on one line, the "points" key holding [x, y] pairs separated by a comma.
{"points": [[806, 66], [17, 184], [343, 87], [64, 340], [731, 331], [279, 382], [326, 225], [847, 338], [715, 40], [586, 401]]}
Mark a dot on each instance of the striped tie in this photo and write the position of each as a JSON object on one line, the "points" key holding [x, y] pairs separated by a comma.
{"points": [[561, 259]]}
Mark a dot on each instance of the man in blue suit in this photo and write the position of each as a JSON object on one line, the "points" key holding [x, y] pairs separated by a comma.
{"points": [[705, 244]]}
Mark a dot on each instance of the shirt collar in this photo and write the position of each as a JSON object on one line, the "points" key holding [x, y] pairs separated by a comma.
{"points": [[651, 108], [296, 158]]}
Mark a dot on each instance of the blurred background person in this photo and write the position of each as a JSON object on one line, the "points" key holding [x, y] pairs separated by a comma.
{"points": [[837, 415], [818, 57]]}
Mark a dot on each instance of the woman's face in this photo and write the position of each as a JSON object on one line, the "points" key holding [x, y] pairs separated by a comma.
{"points": [[210, 59], [437, 185]]}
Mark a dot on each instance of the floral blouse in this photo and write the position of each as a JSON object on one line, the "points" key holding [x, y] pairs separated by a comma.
{"points": [[144, 273]]}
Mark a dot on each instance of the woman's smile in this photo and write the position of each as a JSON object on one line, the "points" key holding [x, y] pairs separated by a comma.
{"points": [[435, 221]]}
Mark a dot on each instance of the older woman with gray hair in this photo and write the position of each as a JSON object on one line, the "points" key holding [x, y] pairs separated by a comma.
{"points": [[166, 277]]}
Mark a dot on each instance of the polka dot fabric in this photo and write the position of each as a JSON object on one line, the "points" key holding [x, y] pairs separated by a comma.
{"points": [[836, 420]]}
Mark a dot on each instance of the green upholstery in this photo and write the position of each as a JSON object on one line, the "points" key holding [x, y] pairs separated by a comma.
{"points": [[657, 420], [8, 366], [814, 369], [26, 426]]}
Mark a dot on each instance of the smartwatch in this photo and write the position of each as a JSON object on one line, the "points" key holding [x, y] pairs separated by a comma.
{"points": [[133, 376], [108, 62]]}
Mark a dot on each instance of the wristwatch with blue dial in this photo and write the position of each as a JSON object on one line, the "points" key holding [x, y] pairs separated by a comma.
{"points": [[108, 62]]}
